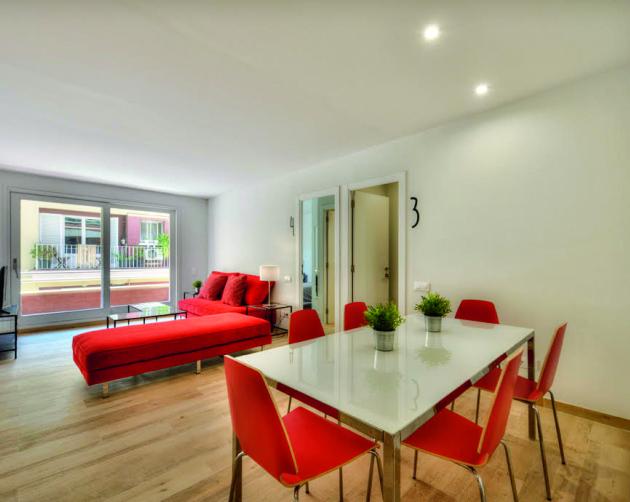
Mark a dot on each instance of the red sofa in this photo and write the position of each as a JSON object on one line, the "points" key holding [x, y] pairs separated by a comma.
{"points": [[108, 354], [255, 293]]}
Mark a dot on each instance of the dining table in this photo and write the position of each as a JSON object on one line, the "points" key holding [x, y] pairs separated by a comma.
{"points": [[388, 395]]}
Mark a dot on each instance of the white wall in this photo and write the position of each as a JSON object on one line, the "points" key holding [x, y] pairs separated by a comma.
{"points": [[192, 216], [527, 204]]}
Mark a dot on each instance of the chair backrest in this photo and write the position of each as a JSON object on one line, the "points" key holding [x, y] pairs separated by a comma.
{"points": [[305, 325], [256, 421], [550, 365], [353, 315], [477, 310], [494, 428]]}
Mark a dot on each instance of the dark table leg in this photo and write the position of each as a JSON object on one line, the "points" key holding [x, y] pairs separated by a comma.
{"points": [[531, 374]]}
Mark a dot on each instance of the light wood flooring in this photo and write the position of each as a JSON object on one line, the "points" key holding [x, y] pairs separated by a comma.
{"points": [[166, 436]]}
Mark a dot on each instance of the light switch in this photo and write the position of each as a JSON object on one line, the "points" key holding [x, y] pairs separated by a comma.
{"points": [[287, 278]]}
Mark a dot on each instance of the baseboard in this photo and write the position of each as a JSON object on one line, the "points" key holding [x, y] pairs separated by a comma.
{"points": [[596, 416], [57, 327]]}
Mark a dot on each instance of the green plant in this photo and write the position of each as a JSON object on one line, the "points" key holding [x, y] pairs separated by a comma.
{"points": [[384, 317], [197, 284], [164, 243], [434, 305]]}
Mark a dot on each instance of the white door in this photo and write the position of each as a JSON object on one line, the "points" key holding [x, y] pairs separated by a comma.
{"points": [[330, 266], [370, 248]]}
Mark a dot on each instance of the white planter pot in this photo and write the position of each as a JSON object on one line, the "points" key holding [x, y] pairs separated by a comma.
{"points": [[433, 324], [384, 340]]}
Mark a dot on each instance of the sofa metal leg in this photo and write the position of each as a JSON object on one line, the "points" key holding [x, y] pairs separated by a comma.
{"points": [[105, 390], [198, 369]]}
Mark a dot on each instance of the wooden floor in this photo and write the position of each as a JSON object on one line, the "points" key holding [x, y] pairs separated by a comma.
{"points": [[166, 436]]}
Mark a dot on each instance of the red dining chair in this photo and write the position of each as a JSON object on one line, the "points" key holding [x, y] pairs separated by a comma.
{"points": [[455, 438], [294, 449], [479, 311], [305, 325], [529, 392], [353, 315]]}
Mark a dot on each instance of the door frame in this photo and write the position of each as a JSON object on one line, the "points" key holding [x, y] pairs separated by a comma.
{"points": [[346, 190], [298, 271], [16, 194]]}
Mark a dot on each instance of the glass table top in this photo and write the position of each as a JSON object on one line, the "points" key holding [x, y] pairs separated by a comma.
{"points": [[390, 390], [143, 310]]}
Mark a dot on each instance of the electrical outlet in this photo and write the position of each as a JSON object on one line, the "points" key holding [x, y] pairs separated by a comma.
{"points": [[287, 278], [423, 286]]}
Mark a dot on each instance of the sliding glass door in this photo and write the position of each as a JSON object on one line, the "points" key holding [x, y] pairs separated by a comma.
{"points": [[75, 260], [140, 256]]}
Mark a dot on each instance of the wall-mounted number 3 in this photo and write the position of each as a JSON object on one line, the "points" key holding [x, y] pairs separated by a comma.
{"points": [[415, 211]]}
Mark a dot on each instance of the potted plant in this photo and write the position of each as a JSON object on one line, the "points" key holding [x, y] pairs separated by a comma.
{"points": [[384, 318], [434, 306], [197, 285]]}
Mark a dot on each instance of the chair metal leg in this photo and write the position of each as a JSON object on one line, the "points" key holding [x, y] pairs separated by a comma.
{"points": [[415, 463], [105, 390], [379, 467], [296, 494], [542, 452], [508, 459], [453, 405], [478, 402], [237, 460], [482, 490], [368, 494], [289, 407], [555, 417], [340, 484], [308, 488]]}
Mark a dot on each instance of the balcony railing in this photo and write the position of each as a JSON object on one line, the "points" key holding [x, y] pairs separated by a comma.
{"points": [[89, 257]]}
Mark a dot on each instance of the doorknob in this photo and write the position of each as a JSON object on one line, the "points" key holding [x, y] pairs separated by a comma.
{"points": [[15, 268]]}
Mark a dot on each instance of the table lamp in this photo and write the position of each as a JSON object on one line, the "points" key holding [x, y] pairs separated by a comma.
{"points": [[269, 273]]}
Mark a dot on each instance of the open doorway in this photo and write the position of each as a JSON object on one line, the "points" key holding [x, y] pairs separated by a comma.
{"points": [[374, 222], [318, 257]]}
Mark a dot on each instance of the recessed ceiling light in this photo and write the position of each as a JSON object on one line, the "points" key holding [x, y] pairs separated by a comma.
{"points": [[431, 32], [482, 89]]}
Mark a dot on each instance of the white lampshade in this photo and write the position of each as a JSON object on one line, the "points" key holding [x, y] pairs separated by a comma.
{"points": [[269, 272]]}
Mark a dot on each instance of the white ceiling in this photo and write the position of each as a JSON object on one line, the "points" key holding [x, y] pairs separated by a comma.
{"points": [[198, 97]]}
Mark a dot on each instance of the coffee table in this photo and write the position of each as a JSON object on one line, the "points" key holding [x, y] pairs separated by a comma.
{"points": [[144, 311]]}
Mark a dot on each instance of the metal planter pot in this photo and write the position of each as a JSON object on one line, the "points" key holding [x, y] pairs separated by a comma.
{"points": [[433, 324], [384, 340]]}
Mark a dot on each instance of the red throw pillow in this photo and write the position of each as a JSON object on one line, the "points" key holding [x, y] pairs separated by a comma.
{"points": [[256, 290], [213, 287], [234, 290]]}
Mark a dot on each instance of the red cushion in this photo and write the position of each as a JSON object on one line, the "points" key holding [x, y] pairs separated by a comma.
{"points": [[234, 290], [108, 348], [320, 445], [199, 307], [256, 290], [213, 287]]}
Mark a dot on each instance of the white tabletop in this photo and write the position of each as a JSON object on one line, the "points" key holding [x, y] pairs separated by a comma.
{"points": [[390, 390]]}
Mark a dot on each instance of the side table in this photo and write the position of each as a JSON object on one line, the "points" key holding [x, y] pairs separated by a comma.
{"points": [[268, 309], [10, 314]]}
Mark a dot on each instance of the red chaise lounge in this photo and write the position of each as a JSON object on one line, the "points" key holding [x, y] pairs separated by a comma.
{"points": [[108, 354]]}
